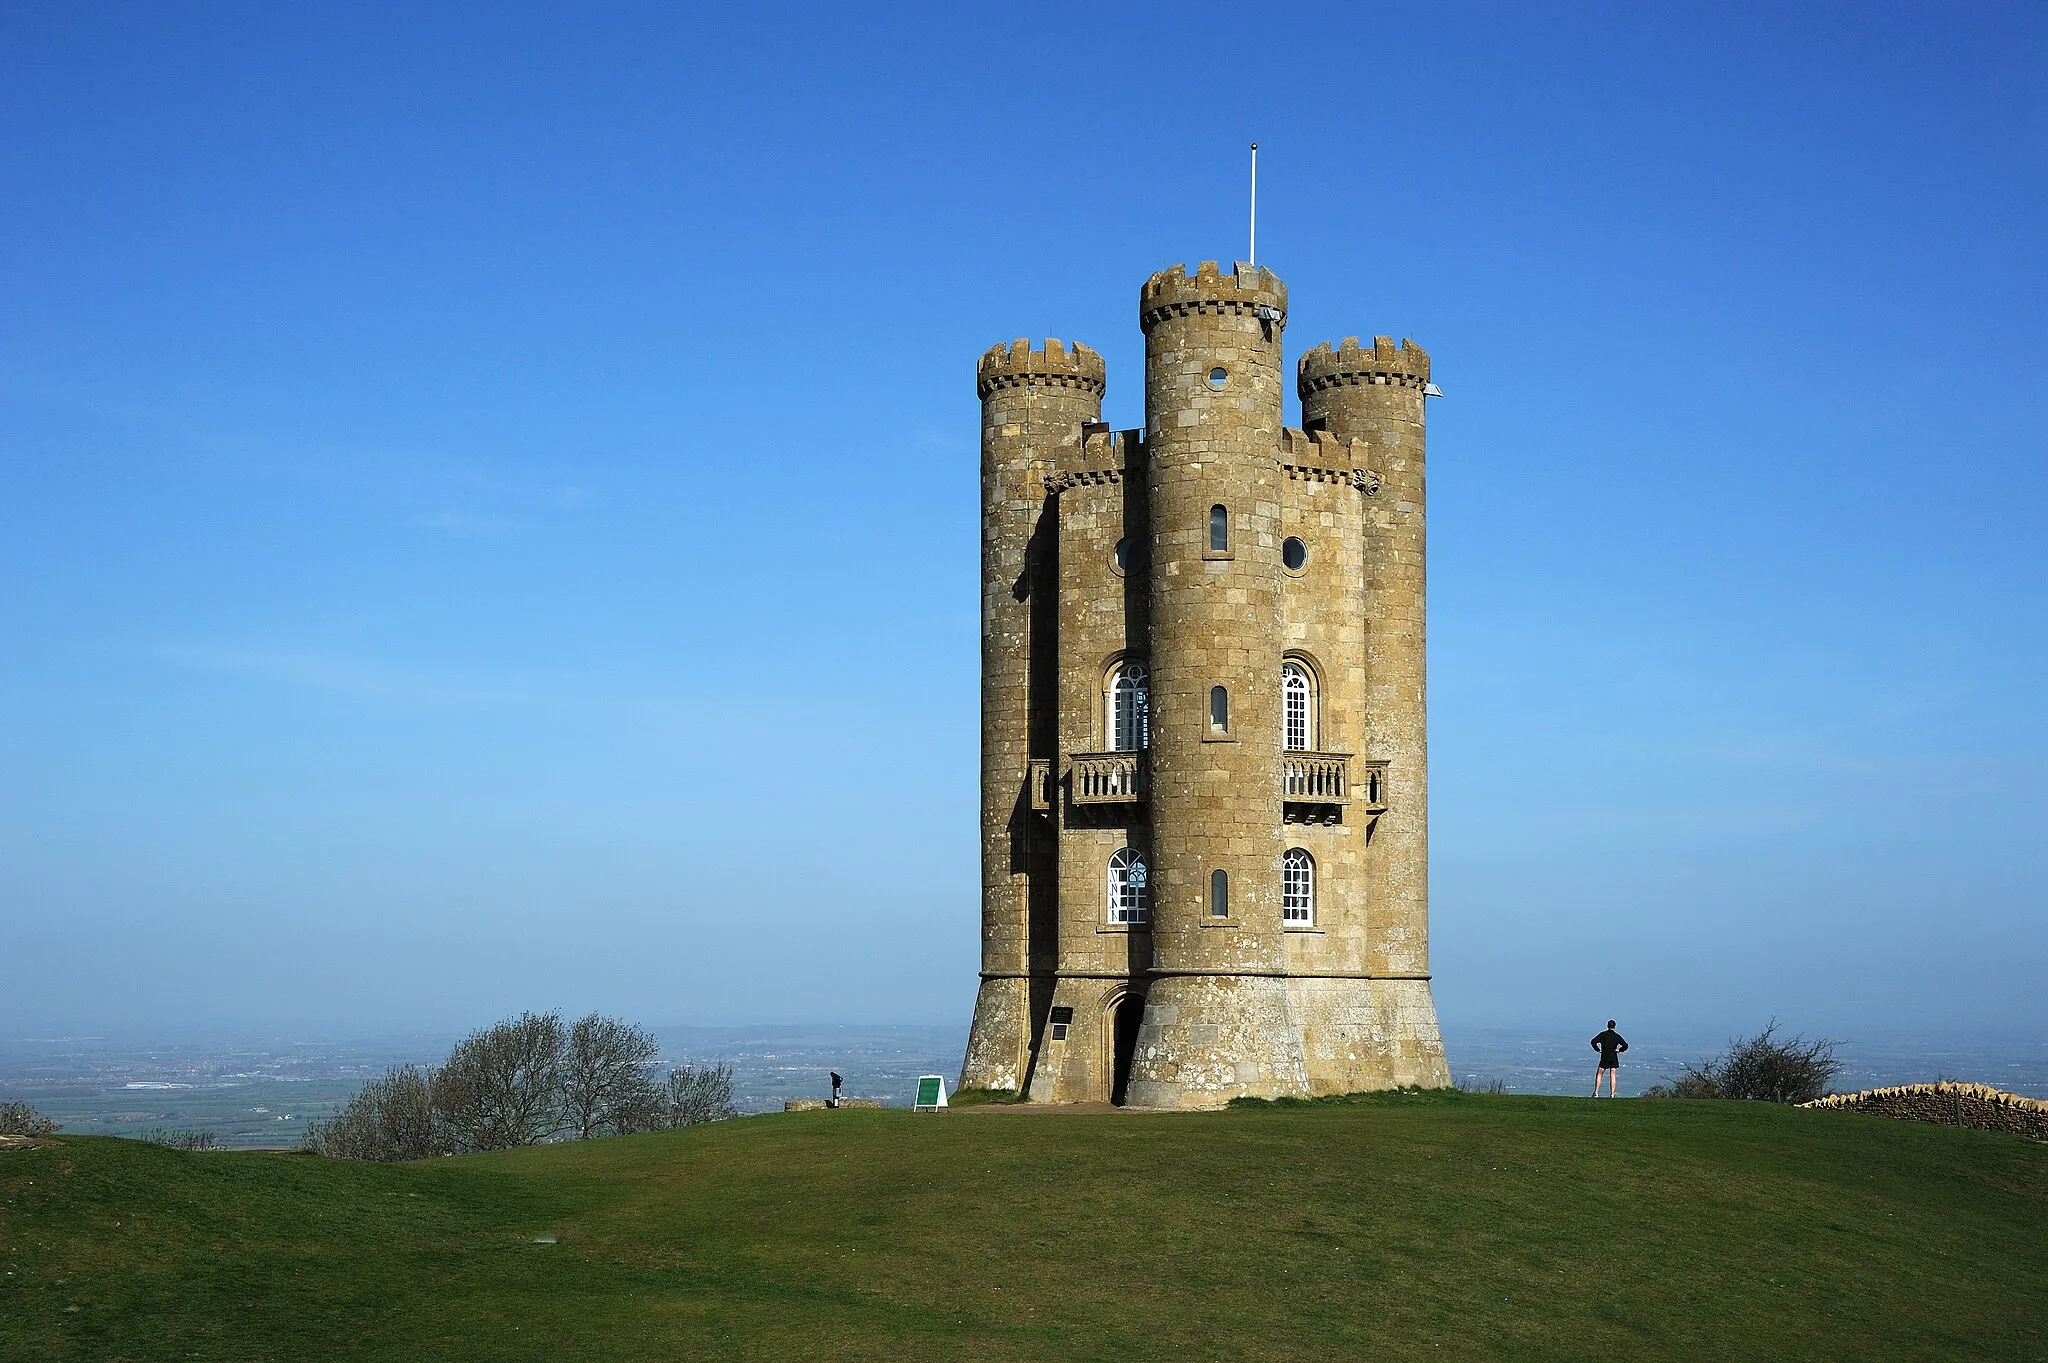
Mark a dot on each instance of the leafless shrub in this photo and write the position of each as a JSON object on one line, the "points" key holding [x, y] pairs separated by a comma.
{"points": [[502, 1086], [183, 1140], [22, 1119], [697, 1095], [605, 1084], [1760, 1068], [1473, 1084], [388, 1119]]}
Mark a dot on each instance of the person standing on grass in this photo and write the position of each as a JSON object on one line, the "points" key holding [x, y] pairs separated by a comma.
{"points": [[1610, 1045]]}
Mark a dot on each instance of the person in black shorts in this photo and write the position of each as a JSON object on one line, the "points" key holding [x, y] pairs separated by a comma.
{"points": [[1610, 1045]]}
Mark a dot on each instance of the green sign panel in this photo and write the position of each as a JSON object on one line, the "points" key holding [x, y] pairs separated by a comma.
{"points": [[931, 1093]]}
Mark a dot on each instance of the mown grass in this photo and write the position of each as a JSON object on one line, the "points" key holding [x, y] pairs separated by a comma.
{"points": [[1440, 1226]]}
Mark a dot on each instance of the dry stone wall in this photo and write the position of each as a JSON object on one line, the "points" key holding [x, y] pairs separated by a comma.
{"points": [[1972, 1105]]}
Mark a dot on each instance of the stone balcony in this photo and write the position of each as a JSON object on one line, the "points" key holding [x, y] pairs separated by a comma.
{"points": [[1041, 785], [1315, 786], [1108, 778]]}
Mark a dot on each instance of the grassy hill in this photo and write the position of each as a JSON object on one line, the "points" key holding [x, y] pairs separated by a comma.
{"points": [[1441, 1226]]}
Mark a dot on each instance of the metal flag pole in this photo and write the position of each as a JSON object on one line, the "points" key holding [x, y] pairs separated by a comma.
{"points": [[1251, 255]]}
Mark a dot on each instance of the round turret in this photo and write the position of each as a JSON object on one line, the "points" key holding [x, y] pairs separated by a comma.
{"points": [[1216, 1014], [1381, 362], [1034, 406], [1376, 394]]}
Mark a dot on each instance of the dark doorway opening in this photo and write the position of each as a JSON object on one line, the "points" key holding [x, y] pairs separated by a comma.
{"points": [[1129, 1012]]}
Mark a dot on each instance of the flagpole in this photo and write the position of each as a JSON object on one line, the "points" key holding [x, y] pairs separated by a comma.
{"points": [[1252, 253]]}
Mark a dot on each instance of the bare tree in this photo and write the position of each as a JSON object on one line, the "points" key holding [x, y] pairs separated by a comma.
{"points": [[1760, 1068], [502, 1086], [22, 1119], [521, 1082], [699, 1095], [183, 1140], [388, 1119], [605, 1085]]}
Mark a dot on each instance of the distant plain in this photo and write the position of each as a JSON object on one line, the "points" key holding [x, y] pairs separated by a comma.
{"points": [[262, 1092]]}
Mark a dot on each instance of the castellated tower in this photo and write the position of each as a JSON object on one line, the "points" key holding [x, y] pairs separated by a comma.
{"points": [[1204, 801], [1035, 404]]}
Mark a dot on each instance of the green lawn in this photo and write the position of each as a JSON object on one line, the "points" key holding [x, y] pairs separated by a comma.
{"points": [[1442, 1226]]}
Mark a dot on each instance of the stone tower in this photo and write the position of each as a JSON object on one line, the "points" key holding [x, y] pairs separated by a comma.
{"points": [[1204, 796]]}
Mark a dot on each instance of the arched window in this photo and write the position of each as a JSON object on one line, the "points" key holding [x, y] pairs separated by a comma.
{"points": [[1297, 707], [1297, 887], [1130, 709], [1219, 710], [1219, 894], [1219, 530], [1128, 901]]}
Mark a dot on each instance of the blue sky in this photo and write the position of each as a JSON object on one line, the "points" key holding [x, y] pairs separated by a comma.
{"points": [[490, 491]]}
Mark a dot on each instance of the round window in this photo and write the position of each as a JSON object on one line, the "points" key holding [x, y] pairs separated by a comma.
{"points": [[1123, 556], [1218, 376], [1293, 553]]}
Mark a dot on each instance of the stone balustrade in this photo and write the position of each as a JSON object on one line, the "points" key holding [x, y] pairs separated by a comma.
{"points": [[1314, 777], [1372, 786], [1108, 778]]}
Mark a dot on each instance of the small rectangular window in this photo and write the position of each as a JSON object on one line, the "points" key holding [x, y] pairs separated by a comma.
{"points": [[1219, 710], [1219, 530], [1219, 894]]}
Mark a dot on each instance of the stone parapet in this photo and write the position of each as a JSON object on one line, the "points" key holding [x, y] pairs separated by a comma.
{"points": [[1246, 289], [1018, 365], [1382, 362], [1328, 458], [826, 1105], [1104, 456]]}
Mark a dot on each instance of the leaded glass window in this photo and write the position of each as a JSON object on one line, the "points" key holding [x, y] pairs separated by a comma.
{"points": [[1297, 699], [1130, 710], [1128, 894], [1297, 887]]}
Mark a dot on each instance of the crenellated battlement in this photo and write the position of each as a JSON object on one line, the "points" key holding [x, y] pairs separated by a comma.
{"points": [[1175, 292], [1105, 456], [1315, 447], [1017, 365], [1319, 456], [1382, 362]]}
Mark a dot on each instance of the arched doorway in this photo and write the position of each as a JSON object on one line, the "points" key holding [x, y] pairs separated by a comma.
{"points": [[1125, 1013]]}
